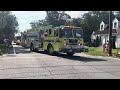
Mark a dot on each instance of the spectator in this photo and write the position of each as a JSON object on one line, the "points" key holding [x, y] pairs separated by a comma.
{"points": [[107, 46], [104, 47]]}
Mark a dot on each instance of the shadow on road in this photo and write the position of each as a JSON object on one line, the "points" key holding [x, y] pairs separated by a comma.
{"points": [[80, 58], [18, 50], [76, 58], [22, 50]]}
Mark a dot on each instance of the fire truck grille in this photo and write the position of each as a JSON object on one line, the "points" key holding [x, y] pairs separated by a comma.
{"points": [[73, 41]]}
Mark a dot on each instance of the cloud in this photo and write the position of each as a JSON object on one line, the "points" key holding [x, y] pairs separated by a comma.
{"points": [[76, 14]]}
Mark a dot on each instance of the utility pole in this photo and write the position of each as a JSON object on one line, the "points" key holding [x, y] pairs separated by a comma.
{"points": [[110, 33]]}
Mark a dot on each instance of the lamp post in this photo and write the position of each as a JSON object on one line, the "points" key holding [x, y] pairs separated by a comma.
{"points": [[110, 33]]}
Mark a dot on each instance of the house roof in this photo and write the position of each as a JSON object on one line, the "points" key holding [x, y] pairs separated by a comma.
{"points": [[105, 31], [118, 18], [105, 21]]}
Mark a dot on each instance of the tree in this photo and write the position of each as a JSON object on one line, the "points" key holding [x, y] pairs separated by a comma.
{"points": [[39, 23], [34, 24], [42, 22], [11, 26], [117, 14], [57, 18], [75, 22]]}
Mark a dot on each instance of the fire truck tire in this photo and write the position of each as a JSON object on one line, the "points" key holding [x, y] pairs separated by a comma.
{"points": [[31, 47], [70, 54], [50, 50], [36, 50]]}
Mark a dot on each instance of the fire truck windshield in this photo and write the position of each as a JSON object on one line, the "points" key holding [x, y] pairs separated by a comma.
{"points": [[77, 33], [71, 33], [67, 33]]}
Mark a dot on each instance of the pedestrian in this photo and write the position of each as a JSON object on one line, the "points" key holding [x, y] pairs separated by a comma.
{"points": [[104, 47], [107, 46]]}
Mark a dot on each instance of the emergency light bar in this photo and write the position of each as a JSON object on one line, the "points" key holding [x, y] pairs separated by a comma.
{"points": [[62, 26]]}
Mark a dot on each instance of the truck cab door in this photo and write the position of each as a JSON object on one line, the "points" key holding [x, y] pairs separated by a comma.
{"points": [[56, 41], [41, 38]]}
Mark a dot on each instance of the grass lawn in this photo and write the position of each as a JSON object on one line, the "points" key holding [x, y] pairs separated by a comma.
{"points": [[98, 51], [3, 49]]}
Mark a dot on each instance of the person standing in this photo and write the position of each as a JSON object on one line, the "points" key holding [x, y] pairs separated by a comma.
{"points": [[107, 46], [104, 47]]}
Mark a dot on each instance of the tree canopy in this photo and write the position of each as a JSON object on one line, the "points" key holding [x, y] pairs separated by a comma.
{"points": [[11, 26], [90, 21], [55, 18]]}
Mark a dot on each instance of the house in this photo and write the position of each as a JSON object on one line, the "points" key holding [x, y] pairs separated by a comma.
{"points": [[103, 33]]}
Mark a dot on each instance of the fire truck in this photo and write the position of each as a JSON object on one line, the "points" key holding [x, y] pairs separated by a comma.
{"points": [[66, 39]]}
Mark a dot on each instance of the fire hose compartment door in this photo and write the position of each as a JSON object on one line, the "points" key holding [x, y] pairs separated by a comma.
{"points": [[75, 46], [36, 39]]}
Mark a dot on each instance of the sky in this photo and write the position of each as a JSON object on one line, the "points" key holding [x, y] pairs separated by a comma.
{"points": [[25, 17]]}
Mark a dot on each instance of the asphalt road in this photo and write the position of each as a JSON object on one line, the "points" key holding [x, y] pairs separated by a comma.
{"points": [[20, 63]]}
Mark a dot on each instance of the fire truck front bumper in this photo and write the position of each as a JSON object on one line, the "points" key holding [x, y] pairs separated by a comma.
{"points": [[74, 49]]}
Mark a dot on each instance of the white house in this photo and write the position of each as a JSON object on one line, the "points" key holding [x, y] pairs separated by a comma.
{"points": [[103, 33]]}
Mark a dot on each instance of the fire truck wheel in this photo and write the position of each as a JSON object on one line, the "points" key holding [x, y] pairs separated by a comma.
{"points": [[50, 50], [70, 54], [36, 50], [31, 47]]}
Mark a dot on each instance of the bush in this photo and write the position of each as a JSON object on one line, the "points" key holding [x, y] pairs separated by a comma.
{"points": [[2, 49]]}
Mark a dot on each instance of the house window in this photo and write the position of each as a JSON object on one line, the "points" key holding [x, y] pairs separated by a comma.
{"points": [[101, 27], [115, 25]]}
